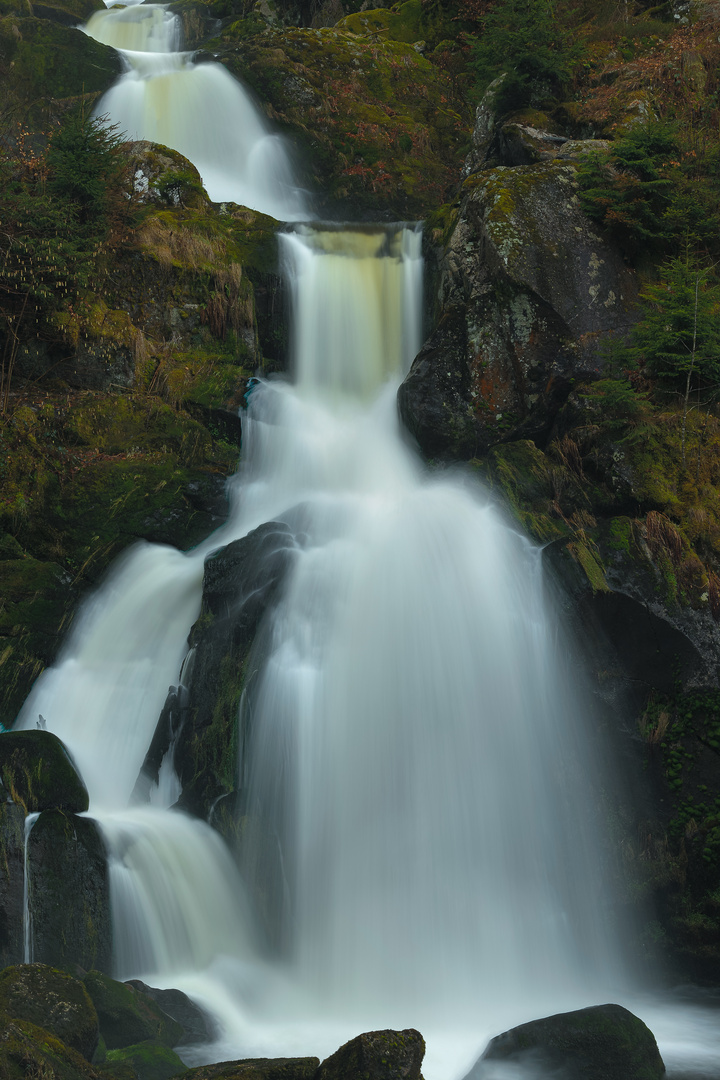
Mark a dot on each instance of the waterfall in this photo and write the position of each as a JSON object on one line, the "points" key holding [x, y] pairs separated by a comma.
{"points": [[198, 109], [417, 746], [27, 918]]}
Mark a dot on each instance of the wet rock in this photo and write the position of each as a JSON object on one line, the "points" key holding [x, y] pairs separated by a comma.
{"points": [[69, 896], [12, 860], [239, 586], [603, 1042], [257, 1069], [52, 1000], [128, 1016], [197, 1026], [38, 772], [484, 128], [377, 1055], [27, 1050], [146, 1060], [539, 291]]}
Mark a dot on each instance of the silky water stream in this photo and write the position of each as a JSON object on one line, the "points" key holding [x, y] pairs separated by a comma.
{"points": [[418, 746]]}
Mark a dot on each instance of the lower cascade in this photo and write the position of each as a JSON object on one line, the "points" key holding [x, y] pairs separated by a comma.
{"points": [[416, 743]]}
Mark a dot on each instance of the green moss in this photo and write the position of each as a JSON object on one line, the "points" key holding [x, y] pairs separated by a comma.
{"points": [[149, 1060]]}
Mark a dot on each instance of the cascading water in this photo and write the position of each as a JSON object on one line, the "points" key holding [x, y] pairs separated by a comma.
{"points": [[417, 747], [198, 109]]}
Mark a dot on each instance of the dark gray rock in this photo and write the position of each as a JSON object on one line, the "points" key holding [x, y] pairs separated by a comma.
{"points": [[240, 584], [69, 896], [540, 291], [377, 1055], [127, 1015], [12, 861], [52, 1000], [197, 1026], [38, 772], [603, 1042]]}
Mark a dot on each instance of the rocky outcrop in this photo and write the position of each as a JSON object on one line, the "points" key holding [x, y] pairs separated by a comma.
{"points": [[380, 129], [68, 892], [12, 863], [128, 1016], [197, 1026], [603, 1042], [239, 586], [38, 773], [378, 1055], [52, 1000], [529, 292]]}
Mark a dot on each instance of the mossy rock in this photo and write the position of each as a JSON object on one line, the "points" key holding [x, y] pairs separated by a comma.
{"points": [[68, 892], [127, 1016], [27, 1050], [380, 128], [150, 1061], [46, 62], [377, 1055], [54, 1000], [410, 22], [39, 774], [603, 1042], [12, 865]]}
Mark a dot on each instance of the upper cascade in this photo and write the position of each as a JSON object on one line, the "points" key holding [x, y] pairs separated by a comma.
{"points": [[199, 110], [352, 349]]}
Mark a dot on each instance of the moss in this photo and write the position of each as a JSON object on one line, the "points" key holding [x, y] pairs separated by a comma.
{"points": [[127, 1016], [149, 1060], [388, 131], [45, 61], [411, 21]]}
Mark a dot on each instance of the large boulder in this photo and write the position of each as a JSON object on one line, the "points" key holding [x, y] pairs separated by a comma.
{"points": [[603, 1042], [68, 892], [145, 1061], [377, 1055], [127, 1016], [197, 1026], [52, 1000], [530, 292], [27, 1050], [38, 772]]}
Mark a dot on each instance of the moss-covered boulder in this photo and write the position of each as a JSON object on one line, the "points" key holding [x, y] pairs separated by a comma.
{"points": [[128, 1016], [52, 1000], [148, 1060], [45, 63], [197, 1026], [68, 892], [603, 1042], [377, 1055], [534, 291], [258, 1069], [27, 1050], [39, 774], [381, 129]]}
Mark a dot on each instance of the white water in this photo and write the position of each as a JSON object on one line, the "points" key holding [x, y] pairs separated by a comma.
{"points": [[27, 918], [198, 109], [419, 751]]}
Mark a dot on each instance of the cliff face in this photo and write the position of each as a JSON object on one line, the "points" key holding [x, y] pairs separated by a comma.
{"points": [[120, 420]]}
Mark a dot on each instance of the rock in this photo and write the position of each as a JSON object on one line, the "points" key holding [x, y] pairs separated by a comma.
{"points": [[392, 151], [483, 133], [52, 1000], [377, 1055], [27, 1050], [68, 892], [602, 1042], [38, 772], [197, 1026], [12, 859], [128, 1016], [539, 291], [148, 1061], [257, 1069], [239, 586]]}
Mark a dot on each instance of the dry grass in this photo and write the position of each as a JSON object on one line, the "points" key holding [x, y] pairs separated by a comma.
{"points": [[663, 538]]}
